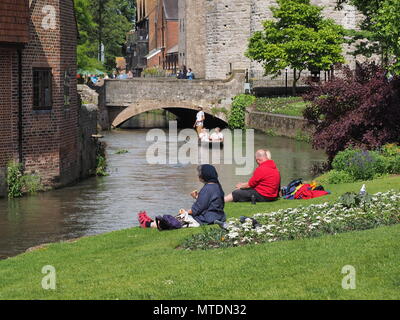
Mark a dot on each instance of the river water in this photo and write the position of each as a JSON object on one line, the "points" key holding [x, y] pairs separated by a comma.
{"points": [[99, 205]]}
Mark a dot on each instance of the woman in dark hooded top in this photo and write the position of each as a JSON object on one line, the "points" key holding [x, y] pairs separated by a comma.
{"points": [[209, 205]]}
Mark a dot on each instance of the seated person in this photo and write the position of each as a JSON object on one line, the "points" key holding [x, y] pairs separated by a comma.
{"points": [[203, 136], [190, 74], [209, 205], [263, 186], [217, 135]]}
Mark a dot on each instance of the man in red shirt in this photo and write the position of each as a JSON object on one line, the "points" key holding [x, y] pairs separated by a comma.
{"points": [[263, 186]]}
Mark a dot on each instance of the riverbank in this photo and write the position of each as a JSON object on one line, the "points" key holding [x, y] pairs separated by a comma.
{"points": [[145, 264]]}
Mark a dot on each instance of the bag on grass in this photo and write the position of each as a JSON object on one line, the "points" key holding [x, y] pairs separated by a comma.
{"points": [[167, 222], [291, 188]]}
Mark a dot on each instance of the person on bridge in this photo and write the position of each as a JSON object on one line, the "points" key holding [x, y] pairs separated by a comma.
{"points": [[264, 185], [208, 208], [190, 74], [199, 124]]}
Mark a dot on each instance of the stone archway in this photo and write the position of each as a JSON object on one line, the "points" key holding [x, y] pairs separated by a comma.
{"points": [[149, 105]]}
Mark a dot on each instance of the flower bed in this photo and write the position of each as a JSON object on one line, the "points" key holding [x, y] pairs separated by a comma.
{"points": [[358, 213]]}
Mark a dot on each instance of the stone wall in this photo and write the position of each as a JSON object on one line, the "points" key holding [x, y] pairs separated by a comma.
{"points": [[281, 125], [192, 36], [228, 29], [87, 144], [216, 33], [88, 95]]}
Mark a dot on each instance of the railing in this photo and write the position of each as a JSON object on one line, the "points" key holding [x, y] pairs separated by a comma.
{"points": [[285, 79]]}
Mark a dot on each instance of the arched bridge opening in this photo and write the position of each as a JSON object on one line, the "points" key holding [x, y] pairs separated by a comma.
{"points": [[187, 117], [184, 115]]}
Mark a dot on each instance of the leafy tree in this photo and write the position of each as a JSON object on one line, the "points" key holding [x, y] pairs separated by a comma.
{"points": [[87, 49], [114, 19], [107, 21], [298, 37], [360, 109], [380, 30]]}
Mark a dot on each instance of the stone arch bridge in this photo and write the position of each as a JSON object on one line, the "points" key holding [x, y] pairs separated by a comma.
{"points": [[121, 100]]}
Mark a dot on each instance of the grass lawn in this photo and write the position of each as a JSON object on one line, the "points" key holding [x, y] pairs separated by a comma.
{"points": [[144, 264], [290, 106]]}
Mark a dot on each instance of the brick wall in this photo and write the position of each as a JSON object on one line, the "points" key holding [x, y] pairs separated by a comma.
{"points": [[152, 26], [13, 21], [163, 34], [172, 34], [68, 121], [8, 111], [8, 106], [40, 128], [50, 137]]}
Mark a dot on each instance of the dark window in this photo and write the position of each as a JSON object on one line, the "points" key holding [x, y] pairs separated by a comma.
{"points": [[42, 89]]}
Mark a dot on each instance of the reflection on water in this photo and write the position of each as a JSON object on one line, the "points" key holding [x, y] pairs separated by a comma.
{"points": [[100, 205]]}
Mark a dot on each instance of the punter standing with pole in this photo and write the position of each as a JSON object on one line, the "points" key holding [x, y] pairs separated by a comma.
{"points": [[199, 124]]}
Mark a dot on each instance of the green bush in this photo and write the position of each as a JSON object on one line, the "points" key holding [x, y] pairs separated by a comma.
{"points": [[393, 164], [354, 164], [391, 150], [18, 183], [101, 160], [338, 176], [14, 180], [361, 165], [237, 115], [101, 167]]}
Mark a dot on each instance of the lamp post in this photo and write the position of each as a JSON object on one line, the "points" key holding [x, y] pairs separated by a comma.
{"points": [[101, 8], [286, 81]]}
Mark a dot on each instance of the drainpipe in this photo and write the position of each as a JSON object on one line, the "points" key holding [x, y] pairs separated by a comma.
{"points": [[20, 133]]}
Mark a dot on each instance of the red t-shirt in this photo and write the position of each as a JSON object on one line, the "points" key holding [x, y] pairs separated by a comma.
{"points": [[266, 179]]}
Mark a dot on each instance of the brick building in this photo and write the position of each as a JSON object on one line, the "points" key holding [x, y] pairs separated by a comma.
{"points": [[155, 40], [39, 103]]}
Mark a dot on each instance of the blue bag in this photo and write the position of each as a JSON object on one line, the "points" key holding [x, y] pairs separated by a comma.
{"points": [[168, 222]]}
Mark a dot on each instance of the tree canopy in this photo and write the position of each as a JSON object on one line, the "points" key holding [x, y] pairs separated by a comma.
{"points": [[380, 30], [107, 21], [298, 37]]}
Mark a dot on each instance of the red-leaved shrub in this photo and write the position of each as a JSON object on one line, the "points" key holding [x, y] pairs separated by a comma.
{"points": [[360, 108]]}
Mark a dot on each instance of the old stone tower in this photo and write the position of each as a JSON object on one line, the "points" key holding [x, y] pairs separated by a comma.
{"points": [[214, 33]]}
